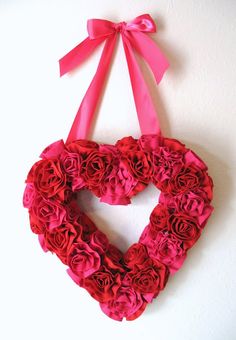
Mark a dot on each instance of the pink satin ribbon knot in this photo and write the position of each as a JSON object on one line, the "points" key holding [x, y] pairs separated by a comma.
{"points": [[134, 37]]}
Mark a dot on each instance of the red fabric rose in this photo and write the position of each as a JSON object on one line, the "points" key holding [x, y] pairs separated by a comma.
{"points": [[187, 178], [48, 178], [191, 159], [127, 144], [158, 217], [158, 222], [138, 164], [59, 240], [47, 213], [82, 147], [95, 169], [99, 242], [35, 226], [101, 285], [174, 144], [127, 304], [88, 225], [114, 253], [148, 278], [82, 260], [73, 212], [185, 228], [135, 255], [70, 162], [113, 258]]}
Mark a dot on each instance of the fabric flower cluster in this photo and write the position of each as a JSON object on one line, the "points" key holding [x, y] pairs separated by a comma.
{"points": [[123, 284]]}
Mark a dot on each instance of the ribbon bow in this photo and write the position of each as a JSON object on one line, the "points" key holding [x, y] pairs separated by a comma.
{"points": [[134, 37]]}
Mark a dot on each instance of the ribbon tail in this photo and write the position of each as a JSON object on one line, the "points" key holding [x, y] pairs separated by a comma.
{"points": [[82, 122], [78, 54], [151, 53], [147, 116]]}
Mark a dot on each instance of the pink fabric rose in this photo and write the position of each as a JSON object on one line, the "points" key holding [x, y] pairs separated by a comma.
{"points": [[150, 142], [29, 195], [82, 260], [166, 249], [166, 162], [71, 164], [193, 203], [53, 150], [191, 158], [119, 186]]}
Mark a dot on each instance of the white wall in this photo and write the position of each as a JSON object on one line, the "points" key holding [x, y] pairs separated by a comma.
{"points": [[196, 103]]}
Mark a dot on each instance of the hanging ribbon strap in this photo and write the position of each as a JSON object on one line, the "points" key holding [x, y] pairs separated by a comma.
{"points": [[133, 37]]}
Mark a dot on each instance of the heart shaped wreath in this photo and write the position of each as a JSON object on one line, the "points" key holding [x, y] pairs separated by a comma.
{"points": [[122, 283]]}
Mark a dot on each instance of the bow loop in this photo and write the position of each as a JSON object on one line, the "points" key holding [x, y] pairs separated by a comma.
{"points": [[98, 28], [142, 23]]}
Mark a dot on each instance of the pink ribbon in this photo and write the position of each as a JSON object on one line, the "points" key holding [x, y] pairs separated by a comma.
{"points": [[133, 37]]}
